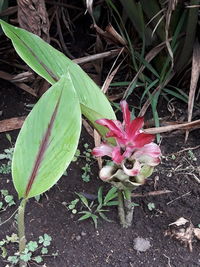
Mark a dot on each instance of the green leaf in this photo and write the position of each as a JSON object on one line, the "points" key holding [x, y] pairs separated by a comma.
{"points": [[13, 238], [9, 138], [8, 198], [26, 257], [4, 252], [94, 218], [2, 242], [44, 250], [52, 64], [104, 217], [32, 246], [13, 259], [41, 239], [100, 195], [112, 203], [4, 192], [86, 216], [112, 193], [84, 200], [47, 141], [47, 240], [38, 259], [92, 116]]}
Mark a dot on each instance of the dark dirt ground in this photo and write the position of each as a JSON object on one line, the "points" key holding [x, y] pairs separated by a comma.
{"points": [[78, 243]]}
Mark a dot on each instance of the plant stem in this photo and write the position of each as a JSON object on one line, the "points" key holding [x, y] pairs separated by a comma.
{"points": [[128, 207], [21, 231], [121, 211]]}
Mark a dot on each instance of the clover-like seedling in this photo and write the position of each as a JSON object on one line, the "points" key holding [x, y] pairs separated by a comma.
{"points": [[7, 201], [29, 253], [45, 240]]}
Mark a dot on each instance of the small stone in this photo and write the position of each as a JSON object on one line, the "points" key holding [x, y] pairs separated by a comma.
{"points": [[78, 238], [83, 233], [141, 244]]}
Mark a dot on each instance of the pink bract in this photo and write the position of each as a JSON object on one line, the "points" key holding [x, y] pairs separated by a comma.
{"points": [[130, 141]]}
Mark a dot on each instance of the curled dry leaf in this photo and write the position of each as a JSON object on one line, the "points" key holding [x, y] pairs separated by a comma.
{"points": [[194, 81], [197, 233], [110, 35], [184, 231], [179, 222]]}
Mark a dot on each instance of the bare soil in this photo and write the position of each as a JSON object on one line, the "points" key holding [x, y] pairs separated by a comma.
{"points": [[78, 243]]}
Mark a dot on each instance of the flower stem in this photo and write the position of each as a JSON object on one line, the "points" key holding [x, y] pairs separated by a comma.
{"points": [[21, 231], [128, 207], [121, 211]]}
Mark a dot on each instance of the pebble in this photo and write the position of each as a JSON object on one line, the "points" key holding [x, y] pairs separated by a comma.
{"points": [[141, 244], [83, 233], [78, 238]]}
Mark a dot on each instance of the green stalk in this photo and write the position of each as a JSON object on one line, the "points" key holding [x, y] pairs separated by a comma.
{"points": [[129, 207], [121, 211], [21, 231]]}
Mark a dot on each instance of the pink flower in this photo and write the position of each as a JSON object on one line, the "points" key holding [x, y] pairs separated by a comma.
{"points": [[131, 141]]}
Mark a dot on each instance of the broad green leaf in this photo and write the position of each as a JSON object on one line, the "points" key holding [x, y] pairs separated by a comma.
{"points": [[92, 117], [52, 64], [47, 141]]}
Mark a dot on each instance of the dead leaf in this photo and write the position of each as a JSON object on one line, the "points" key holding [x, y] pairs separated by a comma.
{"points": [[111, 74], [197, 233], [184, 231], [194, 80], [180, 221], [171, 7], [11, 124], [174, 126], [110, 35]]}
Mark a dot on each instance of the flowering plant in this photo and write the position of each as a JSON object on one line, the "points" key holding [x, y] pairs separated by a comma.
{"points": [[134, 156]]}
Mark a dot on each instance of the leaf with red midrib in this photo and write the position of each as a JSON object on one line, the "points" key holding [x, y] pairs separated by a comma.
{"points": [[47, 141], [42, 149]]}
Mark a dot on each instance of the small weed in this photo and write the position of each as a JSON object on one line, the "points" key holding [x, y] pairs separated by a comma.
{"points": [[151, 206], [29, 254], [7, 200], [86, 173], [72, 205], [77, 154], [87, 168], [7, 155], [95, 210], [87, 153], [191, 155], [173, 157]]}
